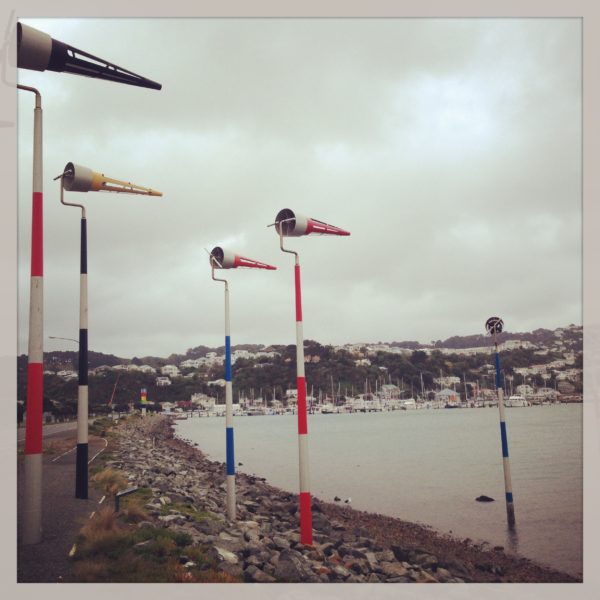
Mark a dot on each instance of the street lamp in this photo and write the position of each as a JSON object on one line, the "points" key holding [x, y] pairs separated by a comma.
{"points": [[291, 224], [494, 326], [76, 178], [221, 258], [37, 51]]}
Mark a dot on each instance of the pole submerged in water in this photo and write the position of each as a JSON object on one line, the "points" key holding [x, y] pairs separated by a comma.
{"points": [[494, 326]]}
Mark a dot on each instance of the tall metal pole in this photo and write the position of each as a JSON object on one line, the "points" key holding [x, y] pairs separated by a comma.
{"points": [[81, 478], [305, 499], [229, 447], [81, 462], [32, 510], [494, 326]]}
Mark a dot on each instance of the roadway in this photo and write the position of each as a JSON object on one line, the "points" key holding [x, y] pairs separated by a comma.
{"points": [[63, 515]]}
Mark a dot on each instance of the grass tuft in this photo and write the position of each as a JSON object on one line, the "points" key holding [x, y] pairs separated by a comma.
{"points": [[110, 481]]}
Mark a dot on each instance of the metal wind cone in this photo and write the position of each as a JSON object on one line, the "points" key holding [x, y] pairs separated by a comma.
{"points": [[81, 179], [292, 224], [221, 258], [38, 51]]}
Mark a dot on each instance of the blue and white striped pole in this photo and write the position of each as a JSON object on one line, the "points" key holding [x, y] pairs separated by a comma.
{"points": [[81, 461], [81, 472], [221, 258], [229, 450], [76, 178], [494, 326], [229, 415]]}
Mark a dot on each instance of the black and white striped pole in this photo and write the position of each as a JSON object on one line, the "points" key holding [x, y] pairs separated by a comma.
{"points": [[494, 326], [81, 179], [37, 51]]}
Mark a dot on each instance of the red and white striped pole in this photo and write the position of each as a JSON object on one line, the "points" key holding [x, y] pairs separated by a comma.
{"points": [[32, 522], [305, 501], [289, 223]]}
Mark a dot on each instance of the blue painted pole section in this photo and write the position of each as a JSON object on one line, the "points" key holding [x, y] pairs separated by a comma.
{"points": [[504, 439], [510, 510], [498, 375], [230, 453]]}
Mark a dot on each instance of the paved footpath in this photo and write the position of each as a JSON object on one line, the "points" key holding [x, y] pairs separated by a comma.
{"points": [[63, 515]]}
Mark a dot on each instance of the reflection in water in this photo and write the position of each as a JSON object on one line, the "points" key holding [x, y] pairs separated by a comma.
{"points": [[512, 539]]}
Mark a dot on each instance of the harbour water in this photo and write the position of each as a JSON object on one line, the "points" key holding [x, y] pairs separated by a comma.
{"points": [[428, 466]]}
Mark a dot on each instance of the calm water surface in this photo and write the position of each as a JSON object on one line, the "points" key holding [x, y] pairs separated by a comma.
{"points": [[428, 466]]}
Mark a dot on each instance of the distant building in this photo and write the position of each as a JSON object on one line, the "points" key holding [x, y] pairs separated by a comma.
{"points": [[170, 371], [162, 381], [447, 381], [67, 375], [191, 363], [218, 382]]}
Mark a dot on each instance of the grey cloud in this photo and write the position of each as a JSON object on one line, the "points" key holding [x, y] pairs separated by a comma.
{"points": [[449, 148]]}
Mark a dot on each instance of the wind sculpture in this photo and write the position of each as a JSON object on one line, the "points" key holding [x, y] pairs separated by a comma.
{"points": [[76, 178], [221, 258], [291, 224], [37, 51]]}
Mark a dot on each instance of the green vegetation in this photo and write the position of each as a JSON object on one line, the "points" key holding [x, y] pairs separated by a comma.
{"points": [[270, 377], [109, 549]]}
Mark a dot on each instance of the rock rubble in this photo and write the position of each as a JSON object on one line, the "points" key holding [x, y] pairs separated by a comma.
{"points": [[263, 544]]}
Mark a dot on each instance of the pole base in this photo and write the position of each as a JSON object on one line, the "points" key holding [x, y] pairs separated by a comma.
{"points": [[306, 533]]}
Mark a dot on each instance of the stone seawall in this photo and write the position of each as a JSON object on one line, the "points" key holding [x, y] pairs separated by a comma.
{"points": [[263, 545]]}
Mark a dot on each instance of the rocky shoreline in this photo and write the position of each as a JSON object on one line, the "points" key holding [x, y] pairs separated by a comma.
{"points": [[263, 545]]}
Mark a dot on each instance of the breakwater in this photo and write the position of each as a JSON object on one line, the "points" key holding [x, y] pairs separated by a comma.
{"points": [[263, 544]]}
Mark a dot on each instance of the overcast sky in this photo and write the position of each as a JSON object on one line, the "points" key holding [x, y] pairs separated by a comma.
{"points": [[451, 149]]}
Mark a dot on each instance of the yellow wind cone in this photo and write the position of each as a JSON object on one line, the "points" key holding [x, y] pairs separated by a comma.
{"points": [[77, 178]]}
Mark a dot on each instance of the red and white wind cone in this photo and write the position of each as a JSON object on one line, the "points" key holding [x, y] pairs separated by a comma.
{"points": [[221, 258], [291, 224]]}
